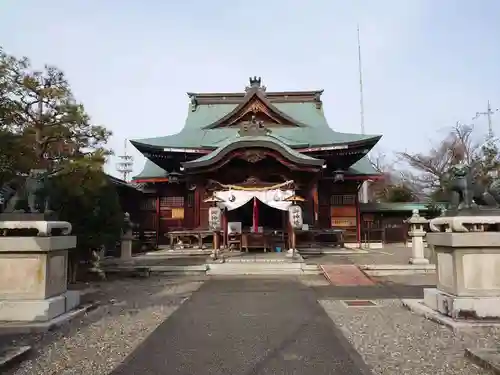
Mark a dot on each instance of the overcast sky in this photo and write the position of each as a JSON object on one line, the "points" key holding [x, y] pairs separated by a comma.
{"points": [[426, 63]]}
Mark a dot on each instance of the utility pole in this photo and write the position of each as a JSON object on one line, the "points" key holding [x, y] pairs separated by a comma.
{"points": [[490, 139], [489, 112], [364, 186]]}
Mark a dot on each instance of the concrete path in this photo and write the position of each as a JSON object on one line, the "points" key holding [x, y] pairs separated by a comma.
{"points": [[247, 326]]}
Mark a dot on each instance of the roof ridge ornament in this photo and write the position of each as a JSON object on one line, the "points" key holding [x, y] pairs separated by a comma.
{"points": [[193, 101], [253, 127], [255, 84]]}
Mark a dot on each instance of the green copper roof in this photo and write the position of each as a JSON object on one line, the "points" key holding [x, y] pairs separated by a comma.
{"points": [[316, 133], [363, 167], [151, 170], [242, 141]]}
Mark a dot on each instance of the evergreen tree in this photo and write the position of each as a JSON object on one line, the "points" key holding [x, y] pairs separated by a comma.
{"points": [[43, 126]]}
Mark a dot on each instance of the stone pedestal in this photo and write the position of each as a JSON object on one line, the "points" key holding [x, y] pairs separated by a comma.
{"points": [[126, 245], [33, 274], [417, 234], [468, 265]]}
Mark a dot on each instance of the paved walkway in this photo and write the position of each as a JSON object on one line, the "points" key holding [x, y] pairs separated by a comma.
{"points": [[247, 326], [345, 275]]}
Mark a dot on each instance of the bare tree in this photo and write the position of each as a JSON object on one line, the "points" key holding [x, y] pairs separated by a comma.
{"points": [[430, 167], [394, 185]]}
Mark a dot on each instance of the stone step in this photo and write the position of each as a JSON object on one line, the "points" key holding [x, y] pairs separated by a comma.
{"points": [[270, 272], [171, 270], [263, 269], [222, 268], [311, 269], [252, 265], [397, 269], [177, 252]]}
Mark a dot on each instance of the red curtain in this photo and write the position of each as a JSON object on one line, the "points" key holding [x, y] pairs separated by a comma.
{"points": [[255, 215]]}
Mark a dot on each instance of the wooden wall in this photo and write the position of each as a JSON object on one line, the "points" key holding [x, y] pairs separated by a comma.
{"points": [[339, 207]]}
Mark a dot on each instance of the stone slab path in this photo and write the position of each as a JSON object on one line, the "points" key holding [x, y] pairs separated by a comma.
{"points": [[247, 326], [345, 275]]}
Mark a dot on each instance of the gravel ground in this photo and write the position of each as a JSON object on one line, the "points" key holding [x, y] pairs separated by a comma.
{"points": [[393, 341], [131, 309]]}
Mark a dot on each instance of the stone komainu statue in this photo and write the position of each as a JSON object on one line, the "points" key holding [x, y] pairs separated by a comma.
{"points": [[33, 193], [466, 191], [489, 195]]}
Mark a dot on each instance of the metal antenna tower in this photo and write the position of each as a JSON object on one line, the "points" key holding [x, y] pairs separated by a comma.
{"points": [[361, 101], [126, 163], [364, 186]]}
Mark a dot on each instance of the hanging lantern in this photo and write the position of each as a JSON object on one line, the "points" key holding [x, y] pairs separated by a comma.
{"points": [[174, 177], [338, 175]]}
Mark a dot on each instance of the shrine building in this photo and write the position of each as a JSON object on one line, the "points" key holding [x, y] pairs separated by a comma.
{"points": [[252, 150]]}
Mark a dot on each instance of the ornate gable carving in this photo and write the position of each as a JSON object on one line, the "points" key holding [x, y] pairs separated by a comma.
{"points": [[257, 108], [255, 103], [253, 156], [253, 128]]}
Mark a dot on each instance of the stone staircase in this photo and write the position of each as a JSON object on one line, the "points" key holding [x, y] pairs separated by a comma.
{"points": [[270, 264], [263, 264]]}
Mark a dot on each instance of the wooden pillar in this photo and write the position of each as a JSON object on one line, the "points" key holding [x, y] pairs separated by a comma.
{"points": [[315, 204], [157, 217], [224, 228], [215, 242], [198, 197]]}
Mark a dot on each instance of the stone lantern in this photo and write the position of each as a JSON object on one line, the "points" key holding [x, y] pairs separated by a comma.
{"points": [[127, 238], [417, 234]]}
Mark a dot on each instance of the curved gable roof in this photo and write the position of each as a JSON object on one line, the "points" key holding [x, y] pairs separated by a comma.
{"points": [[253, 141]]}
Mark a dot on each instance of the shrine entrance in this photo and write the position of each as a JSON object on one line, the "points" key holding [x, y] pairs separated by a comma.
{"points": [[257, 216], [268, 218]]}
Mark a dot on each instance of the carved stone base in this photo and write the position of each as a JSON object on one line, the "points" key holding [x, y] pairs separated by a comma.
{"points": [[43, 227], [467, 263], [480, 308], [465, 224], [41, 310]]}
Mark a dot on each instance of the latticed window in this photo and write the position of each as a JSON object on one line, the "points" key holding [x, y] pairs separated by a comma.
{"points": [[148, 204], [172, 207], [170, 202], [343, 200]]}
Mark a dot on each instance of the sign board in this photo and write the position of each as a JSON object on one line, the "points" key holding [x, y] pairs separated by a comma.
{"points": [[214, 219], [295, 217]]}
